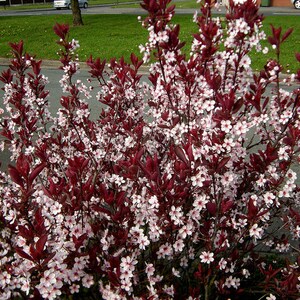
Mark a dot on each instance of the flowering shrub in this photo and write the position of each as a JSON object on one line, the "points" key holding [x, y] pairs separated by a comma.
{"points": [[177, 191]]}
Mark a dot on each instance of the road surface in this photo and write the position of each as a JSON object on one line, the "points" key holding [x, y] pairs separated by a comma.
{"points": [[106, 9]]}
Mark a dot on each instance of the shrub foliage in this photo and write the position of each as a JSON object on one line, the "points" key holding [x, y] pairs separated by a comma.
{"points": [[178, 190]]}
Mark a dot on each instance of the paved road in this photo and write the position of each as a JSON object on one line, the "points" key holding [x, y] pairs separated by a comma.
{"points": [[105, 9], [54, 75]]}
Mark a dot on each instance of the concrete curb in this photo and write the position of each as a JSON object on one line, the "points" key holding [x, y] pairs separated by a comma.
{"points": [[49, 64], [55, 64]]}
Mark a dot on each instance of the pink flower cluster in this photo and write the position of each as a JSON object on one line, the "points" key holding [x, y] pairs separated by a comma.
{"points": [[178, 189]]}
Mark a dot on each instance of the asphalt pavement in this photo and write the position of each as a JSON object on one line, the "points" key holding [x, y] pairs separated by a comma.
{"points": [[112, 9]]}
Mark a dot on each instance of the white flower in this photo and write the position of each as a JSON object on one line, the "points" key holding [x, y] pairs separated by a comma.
{"points": [[176, 215], [169, 290], [222, 264], [175, 272], [207, 257], [118, 180], [74, 44], [226, 126], [186, 230], [256, 232], [170, 56], [237, 2], [200, 202], [232, 282], [269, 198], [164, 251], [271, 297], [5, 278], [25, 285], [74, 288], [241, 128], [178, 245], [265, 50], [246, 273], [87, 281], [11, 217], [149, 270]]}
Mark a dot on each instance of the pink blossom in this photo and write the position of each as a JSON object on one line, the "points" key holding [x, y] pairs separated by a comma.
{"points": [[207, 257], [256, 232], [232, 282]]}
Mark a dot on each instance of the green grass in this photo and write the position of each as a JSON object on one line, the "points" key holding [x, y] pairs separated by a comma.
{"points": [[187, 4], [106, 36], [110, 36], [289, 48], [110, 2], [179, 4], [27, 6]]}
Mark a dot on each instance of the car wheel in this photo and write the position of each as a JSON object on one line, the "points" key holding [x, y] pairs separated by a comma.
{"points": [[58, 8], [69, 6], [85, 5], [297, 4]]}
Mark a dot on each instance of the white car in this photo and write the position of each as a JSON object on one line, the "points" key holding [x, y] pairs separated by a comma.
{"points": [[296, 3], [58, 4]]}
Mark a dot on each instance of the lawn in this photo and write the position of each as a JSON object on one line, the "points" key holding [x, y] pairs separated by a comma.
{"points": [[179, 4], [110, 36]]}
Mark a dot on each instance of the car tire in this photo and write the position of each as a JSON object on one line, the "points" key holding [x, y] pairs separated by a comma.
{"points": [[69, 6], [297, 4], [85, 5]]}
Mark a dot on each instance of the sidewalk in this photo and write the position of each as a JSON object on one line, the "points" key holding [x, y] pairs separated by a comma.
{"points": [[112, 9]]}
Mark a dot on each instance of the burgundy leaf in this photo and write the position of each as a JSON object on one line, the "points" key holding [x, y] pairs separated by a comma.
{"points": [[26, 233], [40, 244], [252, 209], [286, 34], [39, 222], [36, 171], [16, 176], [222, 163], [23, 165], [61, 30], [80, 240], [36, 66], [6, 76], [181, 155], [227, 205], [23, 254], [17, 49], [212, 208]]}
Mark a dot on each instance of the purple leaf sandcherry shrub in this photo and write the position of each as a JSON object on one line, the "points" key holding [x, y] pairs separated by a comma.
{"points": [[184, 187]]}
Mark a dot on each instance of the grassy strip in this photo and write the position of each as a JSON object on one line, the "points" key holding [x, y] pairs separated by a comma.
{"points": [[110, 36], [27, 6], [179, 4]]}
